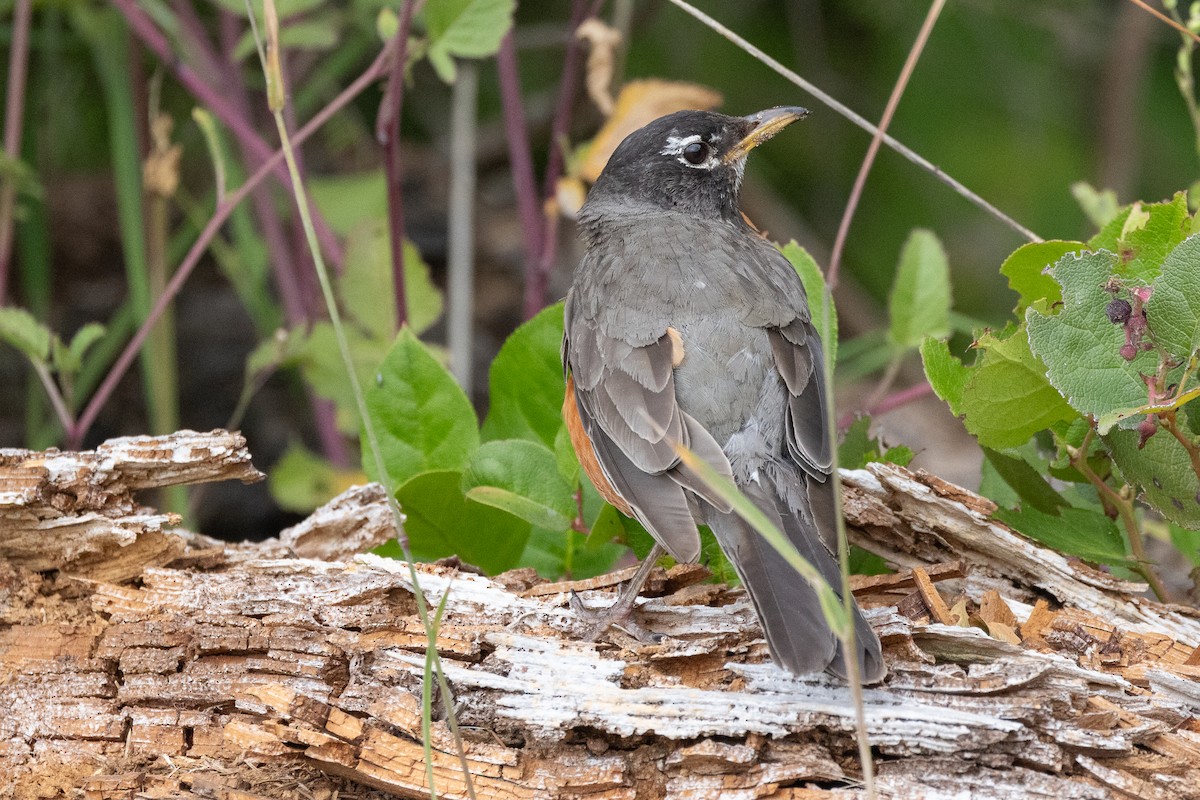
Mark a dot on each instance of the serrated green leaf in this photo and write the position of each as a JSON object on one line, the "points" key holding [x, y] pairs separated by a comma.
{"points": [[423, 419], [1026, 271], [1143, 234], [440, 522], [814, 286], [1162, 470], [1080, 347], [464, 29], [569, 554], [1082, 532], [520, 477], [900, 455], [945, 372], [22, 330], [526, 382], [1028, 483], [856, 444], [1099, 206], [1174, 308], [366, 289], [919, 303], [1007, 398]]}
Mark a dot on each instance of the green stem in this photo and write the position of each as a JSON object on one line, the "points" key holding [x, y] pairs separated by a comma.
{"points": [[1123, 503], [1168, 421]]}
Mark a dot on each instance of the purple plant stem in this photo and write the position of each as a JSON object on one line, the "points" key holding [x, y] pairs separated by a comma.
{"points": [[77, 433], [891, 402], [144, 28], [14, 116], [519, 151], [387, 133], [537, 279]]}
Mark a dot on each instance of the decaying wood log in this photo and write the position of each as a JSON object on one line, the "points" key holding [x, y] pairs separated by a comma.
{"points": [[249, 672]]}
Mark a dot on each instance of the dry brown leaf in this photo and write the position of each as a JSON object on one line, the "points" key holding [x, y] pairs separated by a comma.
{"points": [[638, 103], [603, 42], [998, 630]]}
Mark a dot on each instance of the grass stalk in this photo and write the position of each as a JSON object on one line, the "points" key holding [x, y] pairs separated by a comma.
{"points": [[276, 97]]}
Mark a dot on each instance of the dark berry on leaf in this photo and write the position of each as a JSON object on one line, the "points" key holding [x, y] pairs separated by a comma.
{"points": [[1118, 311]]}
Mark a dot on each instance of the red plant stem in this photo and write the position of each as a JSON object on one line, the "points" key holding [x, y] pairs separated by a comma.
{"points": [[387, 133], [76, 435], [519, 151], [537, 278], [839, 243], [144, 28], [14, 116]]}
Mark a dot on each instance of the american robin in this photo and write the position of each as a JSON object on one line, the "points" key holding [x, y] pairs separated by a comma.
{"points": [[683, 325]]}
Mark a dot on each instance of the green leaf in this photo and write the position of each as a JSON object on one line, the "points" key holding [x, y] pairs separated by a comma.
{"points": [[1080, 347], [1082, 532], [1174, 309], [22, 330], [1099, 206], [1186, 542], [520, 477], [440, 522], [81, 342], [1006, 398], [1162, 470], [814, 286], [346, 200], [864, 562], [858, 448], [1028, 483], [464, 29], [1026, 271], [423, 419], [945, 372], [1143, 234], [564, 456], [919, 304], [322, 366], [526, 382], [300, 480], [366, 289]]}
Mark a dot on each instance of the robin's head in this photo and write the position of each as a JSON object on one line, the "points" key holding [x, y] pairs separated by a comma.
{"points": [[689, 161]]}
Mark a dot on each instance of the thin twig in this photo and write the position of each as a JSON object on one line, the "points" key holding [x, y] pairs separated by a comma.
{"points": [[460, 250], [88, 417], [910, 63], [52, 391], [858, 120], [387, 133], [890, 403], [14, 118], [1160, 15]]}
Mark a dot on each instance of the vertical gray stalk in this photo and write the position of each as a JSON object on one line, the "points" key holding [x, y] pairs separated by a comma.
{"points": [[460, 258]]}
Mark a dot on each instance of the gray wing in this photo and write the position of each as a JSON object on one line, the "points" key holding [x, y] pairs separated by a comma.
{"points": [[625, 394], [799, 357]]}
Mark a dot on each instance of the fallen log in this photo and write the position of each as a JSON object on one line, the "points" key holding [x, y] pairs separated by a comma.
{"points": [[260, 671]]}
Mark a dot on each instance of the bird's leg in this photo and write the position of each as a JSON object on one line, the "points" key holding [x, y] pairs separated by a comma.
{"points": [[618, 614]]}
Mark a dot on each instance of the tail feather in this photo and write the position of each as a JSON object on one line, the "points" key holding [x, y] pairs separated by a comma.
{"points": [[797, 634]]}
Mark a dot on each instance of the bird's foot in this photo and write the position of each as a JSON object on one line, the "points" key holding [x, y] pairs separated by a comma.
{"points": [[618, 615]]}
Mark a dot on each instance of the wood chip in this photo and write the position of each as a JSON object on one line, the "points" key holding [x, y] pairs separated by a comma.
{"points": [[870, 584], [933, 601]]}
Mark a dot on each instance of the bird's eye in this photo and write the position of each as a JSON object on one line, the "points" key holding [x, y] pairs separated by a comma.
{"points": [[696, 153]]}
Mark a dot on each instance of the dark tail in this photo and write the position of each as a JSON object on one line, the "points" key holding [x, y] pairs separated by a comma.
{"points": [[797, 634]]}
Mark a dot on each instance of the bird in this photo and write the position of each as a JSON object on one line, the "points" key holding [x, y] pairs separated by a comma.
{"points": [[684, 325]]}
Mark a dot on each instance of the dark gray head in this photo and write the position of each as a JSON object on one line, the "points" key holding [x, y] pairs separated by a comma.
{"points": [[689, 161]]}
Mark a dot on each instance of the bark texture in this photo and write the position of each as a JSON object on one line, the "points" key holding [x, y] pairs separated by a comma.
{"points": [[137, 662]]}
